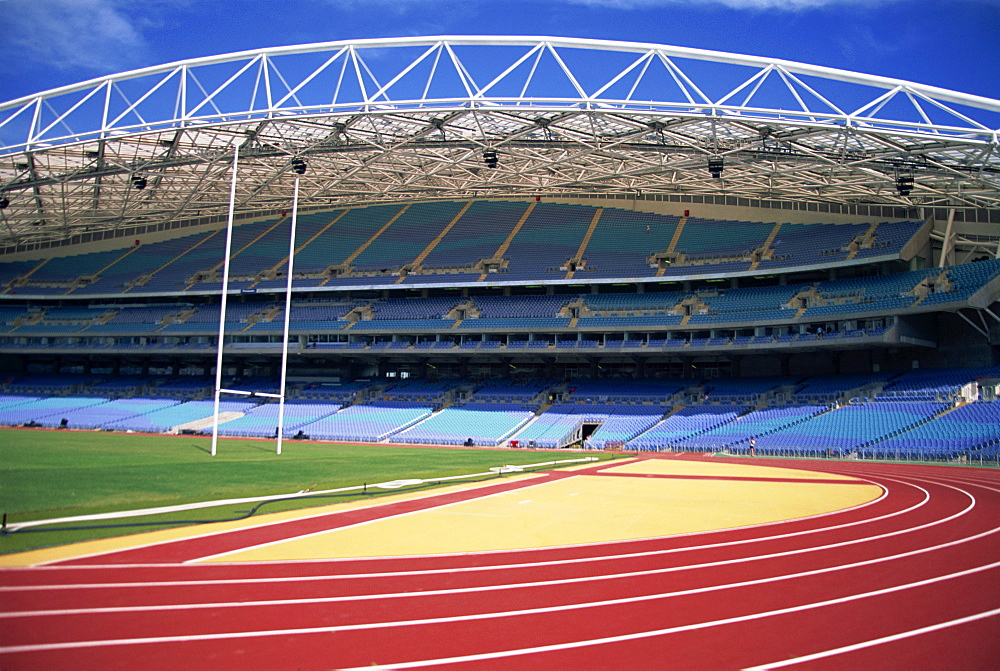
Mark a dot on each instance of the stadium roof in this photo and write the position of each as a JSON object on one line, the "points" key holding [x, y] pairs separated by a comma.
{"points": [[418, 118]]}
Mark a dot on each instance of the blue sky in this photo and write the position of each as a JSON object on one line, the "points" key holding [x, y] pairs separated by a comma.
{"points": [[948, 43]]}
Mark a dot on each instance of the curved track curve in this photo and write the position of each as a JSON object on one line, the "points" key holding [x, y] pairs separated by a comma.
{"points": [[910, 580]]}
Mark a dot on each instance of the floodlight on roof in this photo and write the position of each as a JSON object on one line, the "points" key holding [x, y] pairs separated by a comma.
{"points": [[904, 184], [298, 166], [490, 158], [139, 182], [715, 166]]}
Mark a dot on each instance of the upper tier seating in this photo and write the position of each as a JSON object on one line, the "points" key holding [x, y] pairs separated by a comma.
{"points": [[705, 239], [743, 391], [446, 241], [611, 250], [477, 235], [95, 326], [623, 391], [826, 389], [193, 254], [416, 389], [550, 236], [889, 236], [935, 384], [510, 392], [808, 244], [136, 270], [965, 280], [402, 242], [353, 231]]}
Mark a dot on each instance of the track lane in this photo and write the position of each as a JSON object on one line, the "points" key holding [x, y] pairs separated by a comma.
{"points": [[672, 581], [616, 625]]}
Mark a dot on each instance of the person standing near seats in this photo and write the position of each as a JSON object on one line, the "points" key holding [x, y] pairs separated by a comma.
{"points": [[753, 444]]}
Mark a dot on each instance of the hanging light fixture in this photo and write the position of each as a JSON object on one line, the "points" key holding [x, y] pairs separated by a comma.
{"points": [[904, 184]]}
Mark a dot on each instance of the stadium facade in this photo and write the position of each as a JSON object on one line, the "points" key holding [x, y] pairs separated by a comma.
{"points": [[531, 215]]}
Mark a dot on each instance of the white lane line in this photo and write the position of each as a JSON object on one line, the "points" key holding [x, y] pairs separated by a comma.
{"points": [[524, 585], [365, 523], [545, 583], [39, 647], [207, 558], [184, 507], [586, 578], [56, 564], [469, 569], [877, 641], [209, 534]]}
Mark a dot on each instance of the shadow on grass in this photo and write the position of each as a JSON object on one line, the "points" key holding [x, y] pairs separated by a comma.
{"points": [[259, 447], [241, 446]]}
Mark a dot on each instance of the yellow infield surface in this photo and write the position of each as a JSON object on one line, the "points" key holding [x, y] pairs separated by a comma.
{"points": [[720, 469], [587, 509], [637, 498]]}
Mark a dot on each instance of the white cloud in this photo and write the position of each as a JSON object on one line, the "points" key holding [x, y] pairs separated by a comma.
{"points": [[93, 35], [790, 5], [776, 5]]}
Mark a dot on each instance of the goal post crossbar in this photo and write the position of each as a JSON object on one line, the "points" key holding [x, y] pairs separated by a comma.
{"points": [[240, 392]]}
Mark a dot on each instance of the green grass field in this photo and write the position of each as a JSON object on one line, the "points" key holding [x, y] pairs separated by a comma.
{"points": [[52, 474]]}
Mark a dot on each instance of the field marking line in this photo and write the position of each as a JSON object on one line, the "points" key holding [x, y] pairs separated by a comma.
{"points": [[188, 533], [287, 517], [184, 507], [363, 523]]}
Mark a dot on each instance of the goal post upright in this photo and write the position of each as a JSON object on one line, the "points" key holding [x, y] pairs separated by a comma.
{"points": [[288, 315], [223, 305]]}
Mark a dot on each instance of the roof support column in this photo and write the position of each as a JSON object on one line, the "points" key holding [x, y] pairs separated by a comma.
{"points": [[947, 245], [980, 329]]}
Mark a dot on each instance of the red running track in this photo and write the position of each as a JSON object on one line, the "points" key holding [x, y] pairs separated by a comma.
{"points": [[909, 581]]}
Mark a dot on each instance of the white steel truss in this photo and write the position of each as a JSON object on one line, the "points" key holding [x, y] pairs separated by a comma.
{"points": [[414, 118]]}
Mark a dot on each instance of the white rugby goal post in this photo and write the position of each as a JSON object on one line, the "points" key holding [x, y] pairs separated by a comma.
{"points": [[298, 166]]}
